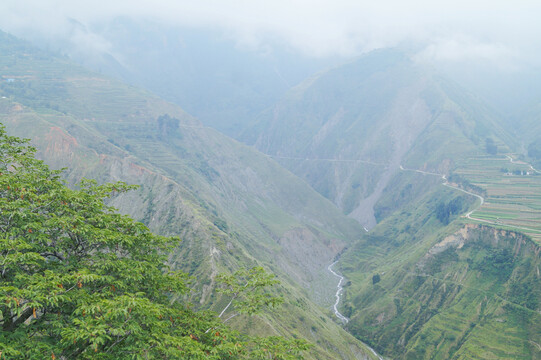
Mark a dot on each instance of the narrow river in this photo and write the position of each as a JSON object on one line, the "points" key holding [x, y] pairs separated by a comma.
{"points": [[335, 307], [338, 293]]}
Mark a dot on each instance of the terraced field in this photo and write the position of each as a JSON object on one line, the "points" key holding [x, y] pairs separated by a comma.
{"points": [[513, 189]]}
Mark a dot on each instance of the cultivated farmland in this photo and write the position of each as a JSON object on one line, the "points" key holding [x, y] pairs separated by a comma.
{"points": [[513, 189]]}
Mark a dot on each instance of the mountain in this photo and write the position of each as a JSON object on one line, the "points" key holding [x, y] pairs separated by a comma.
{"points": [[221, 81], [346, 131], [231, 205], [409, 153], [420, 289]]}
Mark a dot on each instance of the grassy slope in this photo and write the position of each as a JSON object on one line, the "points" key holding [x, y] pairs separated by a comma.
{"points": [[475, 295], [232, 206], [476, 300], [463, 302]]}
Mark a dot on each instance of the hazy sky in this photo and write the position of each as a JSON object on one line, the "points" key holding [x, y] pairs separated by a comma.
{"points": [[504, 32]]}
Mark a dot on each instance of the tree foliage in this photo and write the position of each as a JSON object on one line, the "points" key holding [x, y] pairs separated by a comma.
{"points": [[80, 281], [167, 124], [444, 211], [490, 146], [534, 149]]}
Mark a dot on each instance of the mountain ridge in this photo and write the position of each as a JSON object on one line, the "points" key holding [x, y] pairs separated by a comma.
{"points": [[189, 177], [373, 110]]}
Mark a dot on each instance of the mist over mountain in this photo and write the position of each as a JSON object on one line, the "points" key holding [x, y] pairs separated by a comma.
{"points": [[348, 130], [383, 160], [221, 82]]}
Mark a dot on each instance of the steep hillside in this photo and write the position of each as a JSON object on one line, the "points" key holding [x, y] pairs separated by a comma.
{"points": [[231, 205], [421, 290], [346, 131], [380, 137]]}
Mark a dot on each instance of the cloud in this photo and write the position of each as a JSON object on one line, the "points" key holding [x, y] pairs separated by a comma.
{"points": [[445, 31], [466, 49]]}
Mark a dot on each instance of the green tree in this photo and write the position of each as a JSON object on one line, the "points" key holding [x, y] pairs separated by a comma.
{"points": [[534, 149], [80, 281], [490, 146]]}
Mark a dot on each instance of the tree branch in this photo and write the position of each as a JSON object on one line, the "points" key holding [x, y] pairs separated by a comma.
{"points": [[55, 254], [11, 326], [231, 317], [118, 341], [79, 350], [228, 305]]}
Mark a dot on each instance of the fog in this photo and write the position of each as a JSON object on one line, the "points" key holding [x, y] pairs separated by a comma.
{"points": [[250, 52], [500, 32]]}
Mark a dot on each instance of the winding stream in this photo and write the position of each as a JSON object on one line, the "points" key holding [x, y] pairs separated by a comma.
{"points": [[335, 307], [338, 292], [467, 215]]}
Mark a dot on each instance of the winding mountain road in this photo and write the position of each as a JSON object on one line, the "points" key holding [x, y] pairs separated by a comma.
{"points": [[446, 183], [522, 163], [482, 199], [327, 160]]}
